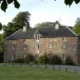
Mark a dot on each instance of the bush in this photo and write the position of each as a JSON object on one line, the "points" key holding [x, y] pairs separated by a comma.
{"points": [[69, 61], [18, 61], [55, 60], [29, 58], [44, 59]]}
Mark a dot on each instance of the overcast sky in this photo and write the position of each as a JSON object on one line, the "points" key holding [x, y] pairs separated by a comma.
{"points": [[42, 11]]}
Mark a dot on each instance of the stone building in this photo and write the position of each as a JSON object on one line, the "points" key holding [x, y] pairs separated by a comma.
{"points": [[57, 39]]}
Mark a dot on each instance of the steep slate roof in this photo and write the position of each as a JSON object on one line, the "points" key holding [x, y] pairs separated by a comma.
{"points": [[45, 32]]}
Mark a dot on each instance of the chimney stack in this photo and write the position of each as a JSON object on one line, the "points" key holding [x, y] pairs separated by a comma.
{"points": [[57, 25], [24, 28]]}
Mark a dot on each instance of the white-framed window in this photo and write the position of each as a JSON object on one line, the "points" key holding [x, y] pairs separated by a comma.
{"points": [[50, 45], [64, 56], [13, 57], [64, 45], [24, 55], [50, 40], [64, 39], [13, 46], [37, 48], [36, 56], [24, 46]]}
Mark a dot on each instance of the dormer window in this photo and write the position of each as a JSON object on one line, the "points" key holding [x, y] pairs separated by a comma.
{"points": [[37, 36]]}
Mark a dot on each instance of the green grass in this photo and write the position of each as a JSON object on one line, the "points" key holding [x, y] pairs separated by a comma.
{"points": [[31, 73]]}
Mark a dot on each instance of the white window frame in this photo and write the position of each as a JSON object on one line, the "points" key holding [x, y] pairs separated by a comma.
{"points": [[64, 45], [50, 46], [13, 57], [64, 56]]}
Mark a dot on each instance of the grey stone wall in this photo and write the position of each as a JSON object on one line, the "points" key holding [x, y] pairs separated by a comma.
{"points": [[19, 48]]}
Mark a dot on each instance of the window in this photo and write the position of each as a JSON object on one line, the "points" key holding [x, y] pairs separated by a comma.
{"points": [[64, 39], [24, 46], [37, 36], [13, 57], [36, 56], [50, 39], [64, 56], [50, 45], [64, 45], [24, 42], [38, 46], [13, 46], [24, 55]]}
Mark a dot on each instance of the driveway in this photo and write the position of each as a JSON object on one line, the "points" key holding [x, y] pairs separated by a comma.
{"points": [[57, 67]]}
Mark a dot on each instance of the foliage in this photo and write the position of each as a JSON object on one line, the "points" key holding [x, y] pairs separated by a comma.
{"points": [[44, 24], [29, 58], [76, 27], [22, 19], [0, 26], [55, 60], [1, 48], [10, 28], [44, 59], [69, 61], [17, 23], [18, 61], [5, 3]]}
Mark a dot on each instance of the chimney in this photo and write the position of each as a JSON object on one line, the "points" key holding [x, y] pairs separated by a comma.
{"points": [[24, 28], [57, 25]]}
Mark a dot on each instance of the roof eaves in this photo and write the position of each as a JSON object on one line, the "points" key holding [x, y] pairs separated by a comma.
{"points": [[72, 31], [12, 34]]}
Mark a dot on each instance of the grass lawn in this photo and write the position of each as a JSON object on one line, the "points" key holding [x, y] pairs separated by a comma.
{"points": [[31, 73]]}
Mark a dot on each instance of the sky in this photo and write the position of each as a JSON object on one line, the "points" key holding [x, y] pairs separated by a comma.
{"points": [[43, 11]]}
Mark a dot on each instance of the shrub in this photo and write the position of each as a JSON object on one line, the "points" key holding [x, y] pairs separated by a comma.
{"points": [[55, 60], [29, 58], [18, 61], [69, 61], [44, 59]]}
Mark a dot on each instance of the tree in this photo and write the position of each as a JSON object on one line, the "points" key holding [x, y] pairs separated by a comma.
{"points": [[76, 28], [0, 26], [22, 19], [1, 48], [78, 20], [5, 3], [44, 24]]}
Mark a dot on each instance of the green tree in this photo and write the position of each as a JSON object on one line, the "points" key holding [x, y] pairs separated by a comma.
{"points": [[5, 3], [76, 27], [22, 19], [44, 24], [1, 48], [0, 26], [17, 23]]}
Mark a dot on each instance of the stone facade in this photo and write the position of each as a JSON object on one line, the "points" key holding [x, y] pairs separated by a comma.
{"points": [[14, 49]]}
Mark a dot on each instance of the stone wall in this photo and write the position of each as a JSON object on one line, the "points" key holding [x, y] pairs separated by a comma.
{"points": [[57, 47], [19, 48]]}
